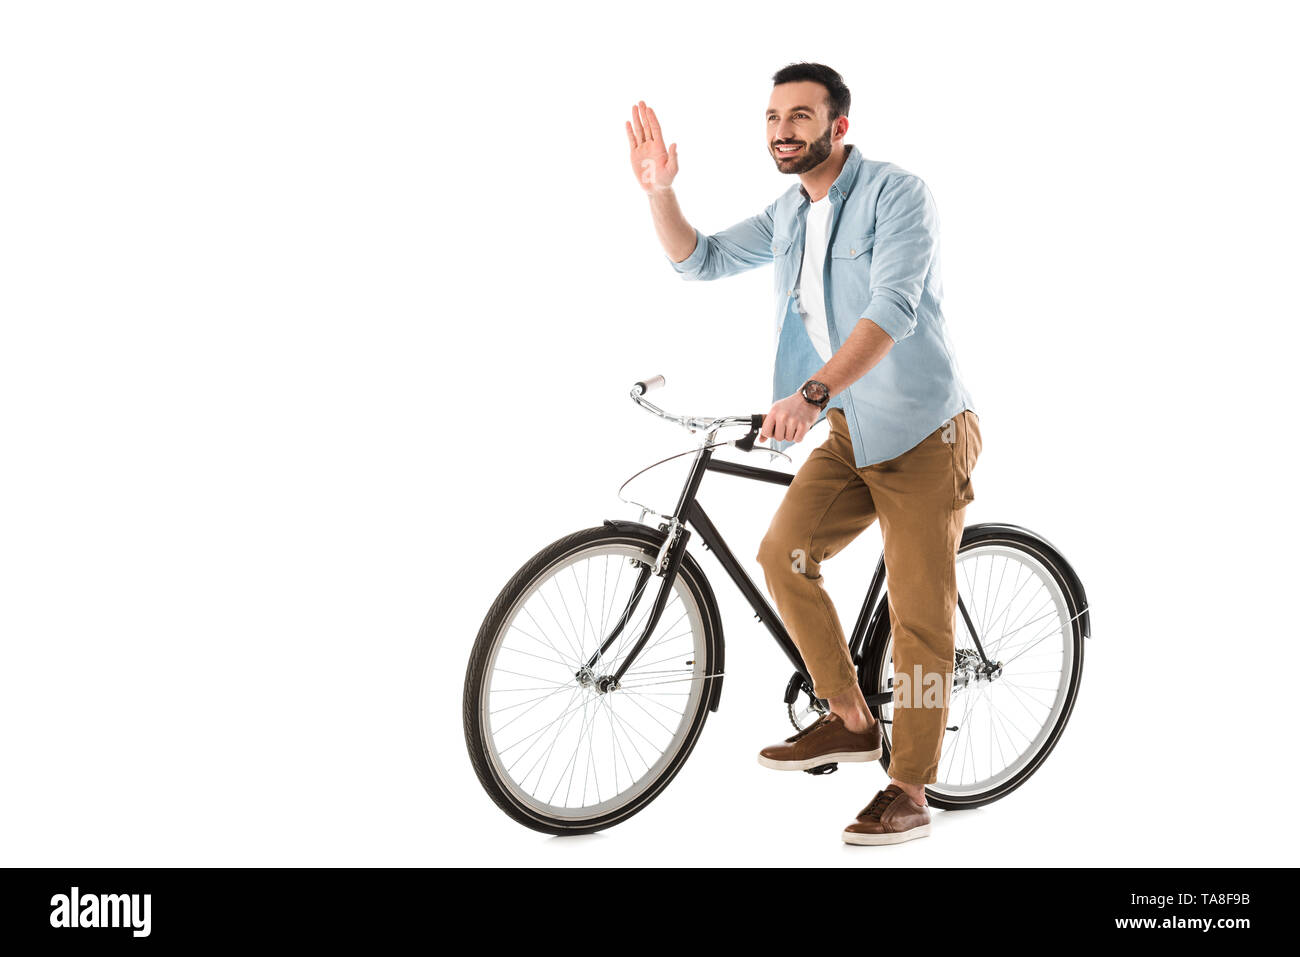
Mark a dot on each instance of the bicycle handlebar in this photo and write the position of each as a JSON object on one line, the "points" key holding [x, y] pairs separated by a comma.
{"points": [[646, 385], [746, 444]]}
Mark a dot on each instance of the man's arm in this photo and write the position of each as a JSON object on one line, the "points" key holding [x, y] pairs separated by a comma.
{"points": [[693, 255], [746, 245], [792, 417], [907, 229], [858, 355], [676, 235], [907, 234]]}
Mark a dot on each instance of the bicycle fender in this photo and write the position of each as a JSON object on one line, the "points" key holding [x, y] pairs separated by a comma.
{"points": [[1074, 585]]}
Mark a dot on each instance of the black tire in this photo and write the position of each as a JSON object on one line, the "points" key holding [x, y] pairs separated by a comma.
{"points": [[879, 645], [644, 540]]}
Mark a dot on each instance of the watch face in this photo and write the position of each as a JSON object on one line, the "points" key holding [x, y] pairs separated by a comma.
{"points": [[815, 392]]}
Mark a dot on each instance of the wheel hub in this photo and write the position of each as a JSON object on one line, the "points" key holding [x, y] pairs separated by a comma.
{"points": [[601, 685], [969, 669]]}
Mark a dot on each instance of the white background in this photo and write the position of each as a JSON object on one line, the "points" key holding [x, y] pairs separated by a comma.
{"points": [[318, 320]]}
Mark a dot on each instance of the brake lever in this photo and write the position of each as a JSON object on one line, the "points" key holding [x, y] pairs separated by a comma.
{"points": [[746, 444], [755, 426]]}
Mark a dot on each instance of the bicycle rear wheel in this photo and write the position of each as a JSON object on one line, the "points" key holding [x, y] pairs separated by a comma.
{"points": [[551, 749], [1026, 606]]}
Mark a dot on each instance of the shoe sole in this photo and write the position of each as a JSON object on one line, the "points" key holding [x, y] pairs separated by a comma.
{"points": [[841, 757], [853, 837]]}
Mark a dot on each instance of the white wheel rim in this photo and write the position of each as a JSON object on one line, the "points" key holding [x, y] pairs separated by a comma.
{"points": [[567, 751], [1024, 622]]}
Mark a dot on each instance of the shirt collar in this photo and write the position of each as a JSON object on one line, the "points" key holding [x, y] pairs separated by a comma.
{"points": [[843, 184]]}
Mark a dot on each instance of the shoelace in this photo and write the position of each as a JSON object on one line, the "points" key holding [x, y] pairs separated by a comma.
{"points": [[879, 804], [820, 722]]}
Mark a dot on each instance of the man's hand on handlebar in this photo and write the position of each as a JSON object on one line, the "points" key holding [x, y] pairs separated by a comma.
{"points": [[789, 420]]}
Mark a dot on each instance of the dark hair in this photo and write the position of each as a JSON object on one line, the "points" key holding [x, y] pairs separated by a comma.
{"points": [[837, 94]]}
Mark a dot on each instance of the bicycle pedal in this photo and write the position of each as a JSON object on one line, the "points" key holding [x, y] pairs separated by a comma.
{"points": [[822, 769]]}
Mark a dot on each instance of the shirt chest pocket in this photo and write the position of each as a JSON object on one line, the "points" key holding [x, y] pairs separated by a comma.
{"points": [[782, 248], [851, 267]]}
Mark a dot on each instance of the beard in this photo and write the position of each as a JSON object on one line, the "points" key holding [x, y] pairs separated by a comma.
{"points": [[813, 155]]}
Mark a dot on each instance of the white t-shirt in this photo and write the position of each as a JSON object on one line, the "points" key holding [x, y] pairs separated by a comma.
{"points": [[812, 297]]}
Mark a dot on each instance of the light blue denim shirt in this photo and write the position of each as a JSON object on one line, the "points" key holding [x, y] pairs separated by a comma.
{"points": [[882, 265]]}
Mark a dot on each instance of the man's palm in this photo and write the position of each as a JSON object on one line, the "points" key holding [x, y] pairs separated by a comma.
{"points": [[654, 164]]}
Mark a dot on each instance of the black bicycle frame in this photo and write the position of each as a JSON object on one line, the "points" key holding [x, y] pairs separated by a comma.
{"points": [[689, 512]]}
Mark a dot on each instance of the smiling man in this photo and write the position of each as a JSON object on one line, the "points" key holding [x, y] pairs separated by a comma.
{"points": [[860, 340]]}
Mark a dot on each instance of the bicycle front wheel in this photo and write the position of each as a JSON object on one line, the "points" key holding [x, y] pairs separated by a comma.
{"points": [[556, 752]]}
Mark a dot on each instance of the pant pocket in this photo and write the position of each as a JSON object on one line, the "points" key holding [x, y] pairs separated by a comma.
{"points": [[965, 450]]}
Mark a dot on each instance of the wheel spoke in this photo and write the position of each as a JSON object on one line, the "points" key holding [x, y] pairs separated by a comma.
{"points": [[1023, 625], [565, 749]]}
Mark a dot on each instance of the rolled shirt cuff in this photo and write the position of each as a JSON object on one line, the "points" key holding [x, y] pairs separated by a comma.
{"points": [[690, 266], [896, 320]]}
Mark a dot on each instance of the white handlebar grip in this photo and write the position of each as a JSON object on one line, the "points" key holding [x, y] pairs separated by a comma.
{"points": [[654, 382]]}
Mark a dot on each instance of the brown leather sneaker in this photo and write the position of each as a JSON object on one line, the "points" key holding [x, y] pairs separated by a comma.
{"points": [[891, 818], [825, 742]]}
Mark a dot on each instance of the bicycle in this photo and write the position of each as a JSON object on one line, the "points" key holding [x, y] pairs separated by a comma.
{"points": [[576, 727]]}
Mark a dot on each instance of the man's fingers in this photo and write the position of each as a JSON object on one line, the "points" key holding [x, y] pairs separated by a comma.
{"points": [[631, 137], [655, 134], [777, 427], [636, 125], [645, 118]]}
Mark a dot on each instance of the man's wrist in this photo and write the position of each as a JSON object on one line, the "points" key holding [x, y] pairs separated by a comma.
{"points": [[816, 393]]}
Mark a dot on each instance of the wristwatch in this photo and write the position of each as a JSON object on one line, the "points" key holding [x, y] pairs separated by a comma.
{"points": [[818, 393]]}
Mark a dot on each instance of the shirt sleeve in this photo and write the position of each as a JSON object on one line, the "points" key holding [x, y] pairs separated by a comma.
{"points": [[746, 245], [907, 233]]}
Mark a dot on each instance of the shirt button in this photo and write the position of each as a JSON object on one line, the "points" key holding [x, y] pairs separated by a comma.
{"points": [[853, 252]]}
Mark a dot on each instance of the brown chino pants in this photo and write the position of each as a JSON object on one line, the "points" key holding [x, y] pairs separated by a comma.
{"points": [[920, 498]]}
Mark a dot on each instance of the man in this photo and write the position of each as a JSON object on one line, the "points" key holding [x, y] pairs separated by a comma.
{"points": [[861, 341]]}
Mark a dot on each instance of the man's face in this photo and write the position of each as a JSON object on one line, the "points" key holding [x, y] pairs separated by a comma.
{"points": [[797, 116]]}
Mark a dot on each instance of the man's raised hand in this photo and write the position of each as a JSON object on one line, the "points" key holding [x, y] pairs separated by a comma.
{"points": [[655, 166]]}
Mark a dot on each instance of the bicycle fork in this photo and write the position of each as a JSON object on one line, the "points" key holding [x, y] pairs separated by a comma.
{"points": [[666, 565]]}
